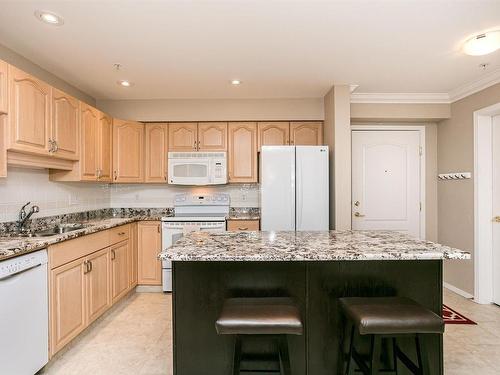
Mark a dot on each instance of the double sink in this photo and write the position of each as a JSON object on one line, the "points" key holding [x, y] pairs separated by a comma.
{"points": [[58, 229]]}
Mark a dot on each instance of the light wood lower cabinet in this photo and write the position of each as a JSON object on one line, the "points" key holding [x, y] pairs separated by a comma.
{"points": [[243, 225], [97, 270], [119, 270], [67, 304], [149, 246], [133, 255], [87, 276]]}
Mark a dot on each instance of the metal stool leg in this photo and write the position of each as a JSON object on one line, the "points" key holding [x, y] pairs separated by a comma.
{"points": [[284, 355], [350, 360], [394, 356], [237, 355], [375, 355], [423, 355]]}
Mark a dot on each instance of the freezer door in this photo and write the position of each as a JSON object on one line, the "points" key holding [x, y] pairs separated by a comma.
{"points": [[277, 177], [312, 188]]}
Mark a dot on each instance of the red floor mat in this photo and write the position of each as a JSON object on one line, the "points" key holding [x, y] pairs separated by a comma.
{"points": [[450, 316]]}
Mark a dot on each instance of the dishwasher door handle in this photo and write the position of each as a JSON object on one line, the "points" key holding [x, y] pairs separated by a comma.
{"points": [[20, 272]]}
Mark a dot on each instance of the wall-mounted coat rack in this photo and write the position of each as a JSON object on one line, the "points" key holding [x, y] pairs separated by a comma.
{"points": [[455, 176]]}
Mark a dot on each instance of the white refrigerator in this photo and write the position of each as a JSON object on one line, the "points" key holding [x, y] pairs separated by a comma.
{"points": [[294, 188]]}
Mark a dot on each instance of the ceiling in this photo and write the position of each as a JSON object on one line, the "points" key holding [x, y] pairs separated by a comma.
{"points": [[278, 49]]}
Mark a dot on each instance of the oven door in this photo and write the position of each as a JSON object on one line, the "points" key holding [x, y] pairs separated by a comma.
{"points": [[189, 171]]}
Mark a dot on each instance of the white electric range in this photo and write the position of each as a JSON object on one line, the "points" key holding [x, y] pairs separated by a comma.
{"points": [[193, 212]]}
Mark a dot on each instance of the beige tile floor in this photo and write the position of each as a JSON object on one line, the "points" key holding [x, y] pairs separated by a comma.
{"points": [[135, 339]]}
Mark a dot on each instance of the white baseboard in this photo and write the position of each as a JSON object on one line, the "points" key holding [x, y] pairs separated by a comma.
{"points": [[149, 289], [458, 291]]}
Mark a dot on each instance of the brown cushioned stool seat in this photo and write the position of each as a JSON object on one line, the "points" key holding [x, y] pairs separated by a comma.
{"points": [[390, 315], [388, 318], [259, 316], [269, 318]]}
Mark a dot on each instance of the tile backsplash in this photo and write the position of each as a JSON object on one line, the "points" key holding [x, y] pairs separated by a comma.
{"points": [[57, 198], [53, 198]]}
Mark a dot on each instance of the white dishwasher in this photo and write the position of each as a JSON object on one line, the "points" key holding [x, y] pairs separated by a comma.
{"points": [[24, 316]]}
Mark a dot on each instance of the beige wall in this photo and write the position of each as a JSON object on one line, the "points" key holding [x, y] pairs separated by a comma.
{"points": [[456, 200], [337, 135], [399, 112], [214, 109], [22, 63]]}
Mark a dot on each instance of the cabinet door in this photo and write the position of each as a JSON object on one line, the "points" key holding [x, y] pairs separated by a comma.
{"points": [[89, 118], [242, 154], [4, 87], [149, 246], [67, 304], [274, 134], [243, 225], [105, 139], [128, 151], [182, 136], [212, 136], [306, 133], [65, 125], [98, 284], [119, 270], [29, 113], [133, 255], [156, 152]]}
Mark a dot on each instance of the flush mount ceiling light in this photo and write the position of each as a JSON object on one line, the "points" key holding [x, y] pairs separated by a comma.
{"points": [[49, 17], [235, 82], [482, 44], [124, 83]]}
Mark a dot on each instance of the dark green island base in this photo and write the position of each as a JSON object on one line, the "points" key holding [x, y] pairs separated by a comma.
{"points": [[199, 290]]}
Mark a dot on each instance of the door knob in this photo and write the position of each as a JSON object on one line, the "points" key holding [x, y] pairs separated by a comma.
{"points": [[357, 203], [357, 214], [496, 219]]}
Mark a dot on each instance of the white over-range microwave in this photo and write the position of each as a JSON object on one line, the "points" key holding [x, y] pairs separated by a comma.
{"points": [[197, 168]]}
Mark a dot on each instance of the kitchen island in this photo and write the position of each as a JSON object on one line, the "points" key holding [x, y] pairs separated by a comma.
{"points": [[315, 269]]}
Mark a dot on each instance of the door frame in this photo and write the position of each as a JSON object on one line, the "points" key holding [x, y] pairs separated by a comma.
{"points": [[483, 203], [397, 127]]}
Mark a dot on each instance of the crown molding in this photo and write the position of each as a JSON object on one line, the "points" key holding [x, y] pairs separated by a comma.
{"points": [[400, 98], [472, 87]]}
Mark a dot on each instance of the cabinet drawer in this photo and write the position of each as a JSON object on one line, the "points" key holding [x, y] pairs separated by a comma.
{"points": [[119, 234], [236, 225], [67, 251]]}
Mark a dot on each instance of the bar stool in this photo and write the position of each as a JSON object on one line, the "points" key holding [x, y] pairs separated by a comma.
{"points": [[268, 318], [389, 317]]}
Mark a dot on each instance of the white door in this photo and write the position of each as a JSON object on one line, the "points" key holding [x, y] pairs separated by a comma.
{"points": [[277, 187], [311, 187], [496, 209], [386, 181]]}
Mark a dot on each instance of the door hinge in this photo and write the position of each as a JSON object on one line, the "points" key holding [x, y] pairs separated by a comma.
{"points": [[420, 151]]}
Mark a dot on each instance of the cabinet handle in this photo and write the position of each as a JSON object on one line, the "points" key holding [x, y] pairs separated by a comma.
{"points": [[245, 228], [158, 227], [90, 265], [116, 175], [56, 147], [121, 233], [51, 144], [113, 255], [86, 265]]}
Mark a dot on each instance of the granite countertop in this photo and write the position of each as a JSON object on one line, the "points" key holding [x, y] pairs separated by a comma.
{"points": [[243, 216], [11, 246], [306, 246]]}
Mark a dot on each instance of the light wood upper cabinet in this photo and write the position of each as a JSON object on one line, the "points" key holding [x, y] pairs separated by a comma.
{"points": [[119, 270], [156, 152], [89, 118], [65, 125], [149, 246], [104, 149], [182, 136], [242, 153], [67, 303], [97, 270], [212, 136], [128, 151], [29, 113], [4, 87], [306, 133], [273, 134]]}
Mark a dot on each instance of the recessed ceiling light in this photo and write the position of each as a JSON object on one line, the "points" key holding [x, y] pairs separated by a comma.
{"points": [[482, 44], [124, 83], [49, 17], [235, 82]]}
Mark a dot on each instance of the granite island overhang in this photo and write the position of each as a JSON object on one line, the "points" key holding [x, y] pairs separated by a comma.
{"points": [[315, 269]]}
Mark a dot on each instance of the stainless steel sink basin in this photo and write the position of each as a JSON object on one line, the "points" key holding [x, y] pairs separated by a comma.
{"points": [[58, 229]]}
